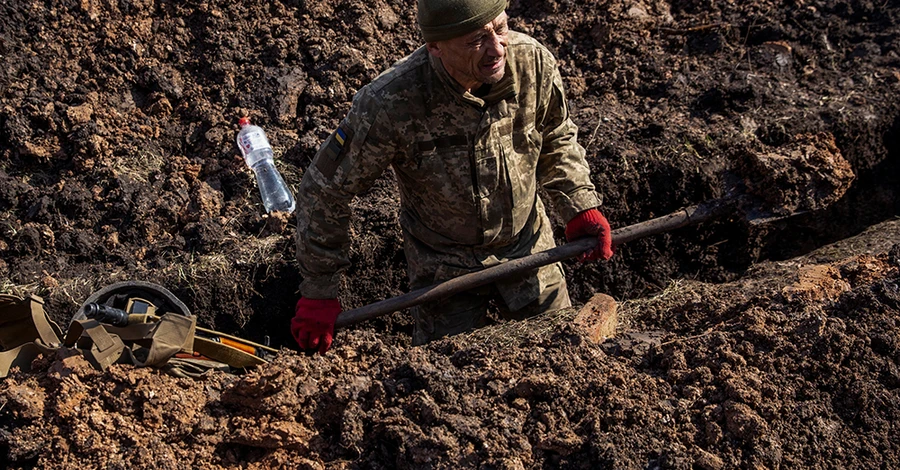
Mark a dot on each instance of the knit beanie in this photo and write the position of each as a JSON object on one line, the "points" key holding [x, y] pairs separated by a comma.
{"points": [[440, 20]]}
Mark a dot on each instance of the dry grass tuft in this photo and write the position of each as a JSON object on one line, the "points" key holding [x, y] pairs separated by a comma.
{"points": [[21, 290], [508, 333], [630, 308], [145, 162]]}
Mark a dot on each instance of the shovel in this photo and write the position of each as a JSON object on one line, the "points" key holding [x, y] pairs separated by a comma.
{"points": [[684, 217], [808, 173]]}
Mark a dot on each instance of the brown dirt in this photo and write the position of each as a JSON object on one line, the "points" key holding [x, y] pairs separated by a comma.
{"points": [[775, 348]]}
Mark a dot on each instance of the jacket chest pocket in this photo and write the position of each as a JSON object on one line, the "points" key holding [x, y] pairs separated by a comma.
{"points": [[520, 159], [442, 164], [491, 157], [487, 175], [521, 153]]}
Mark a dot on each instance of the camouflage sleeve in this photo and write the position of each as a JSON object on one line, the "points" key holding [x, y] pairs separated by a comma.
{"points": [[562, 168], [347, 163]]}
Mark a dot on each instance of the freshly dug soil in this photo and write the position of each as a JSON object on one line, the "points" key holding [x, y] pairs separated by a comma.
{"points": [[794, 366], [741, 345]]}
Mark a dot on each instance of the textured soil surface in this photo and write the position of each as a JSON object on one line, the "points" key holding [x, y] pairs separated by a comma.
{"points": [[740, 345]]}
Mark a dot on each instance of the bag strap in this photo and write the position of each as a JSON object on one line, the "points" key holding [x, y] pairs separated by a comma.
{"points": [[99, 347], [22, 320], [193, 368], [22, 356], [25, 332], [161, 340], [172, 334]]}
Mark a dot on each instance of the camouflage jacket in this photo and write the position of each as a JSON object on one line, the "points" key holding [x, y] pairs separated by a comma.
{"points": [[467, 167]]}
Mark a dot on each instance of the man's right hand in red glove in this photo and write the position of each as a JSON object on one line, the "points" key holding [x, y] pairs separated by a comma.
{"points": [[313, 323]]}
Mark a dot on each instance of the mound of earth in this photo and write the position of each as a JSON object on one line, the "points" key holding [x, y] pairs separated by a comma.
{"points": [[794, 366], [776, 346]]}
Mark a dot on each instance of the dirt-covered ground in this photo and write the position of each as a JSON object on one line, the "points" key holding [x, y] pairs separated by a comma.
{"points": [[741, 346]]}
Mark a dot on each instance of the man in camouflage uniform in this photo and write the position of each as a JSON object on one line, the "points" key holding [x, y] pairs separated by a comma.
{"points": [[471, 123]]}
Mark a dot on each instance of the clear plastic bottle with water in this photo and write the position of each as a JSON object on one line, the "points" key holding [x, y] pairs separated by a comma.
{"points": [[257, 152]]}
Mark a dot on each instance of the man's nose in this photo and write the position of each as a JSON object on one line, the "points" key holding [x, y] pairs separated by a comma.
{"points": [[496, 45]]}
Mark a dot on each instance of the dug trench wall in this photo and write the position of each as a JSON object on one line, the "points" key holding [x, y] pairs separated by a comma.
{"points": [[117, 162]]}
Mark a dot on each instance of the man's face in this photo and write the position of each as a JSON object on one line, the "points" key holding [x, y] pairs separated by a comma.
{"points": [[478, 57]]}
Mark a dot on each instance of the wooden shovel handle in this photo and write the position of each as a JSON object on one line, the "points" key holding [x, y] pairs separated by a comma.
{"points": [[689, 216]]}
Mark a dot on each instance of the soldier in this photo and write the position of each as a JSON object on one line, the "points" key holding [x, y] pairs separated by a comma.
{"points": [[471, 123]]}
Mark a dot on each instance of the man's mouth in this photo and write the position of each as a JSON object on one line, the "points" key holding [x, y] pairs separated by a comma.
{"points": [[493, 66]]}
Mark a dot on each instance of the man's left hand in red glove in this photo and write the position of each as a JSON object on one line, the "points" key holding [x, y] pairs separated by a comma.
{"points": [[591, 222]]}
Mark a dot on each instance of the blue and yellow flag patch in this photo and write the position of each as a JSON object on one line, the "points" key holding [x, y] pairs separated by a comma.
{"points": [[334, 151]]}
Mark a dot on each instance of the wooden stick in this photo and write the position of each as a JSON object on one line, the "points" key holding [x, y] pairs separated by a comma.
{"points": [[693, 29]]}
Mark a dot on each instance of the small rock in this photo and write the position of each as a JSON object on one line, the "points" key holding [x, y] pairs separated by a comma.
{"points": [[708, 461], [80, 114], [160, 107], [638, 13], [598, 318], [290, 87]]}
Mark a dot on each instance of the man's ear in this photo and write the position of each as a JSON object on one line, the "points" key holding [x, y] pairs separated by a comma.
{"points": [[434, 49]]}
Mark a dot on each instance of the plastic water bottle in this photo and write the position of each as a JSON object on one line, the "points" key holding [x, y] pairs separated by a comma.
{"points": [[254, 145]]}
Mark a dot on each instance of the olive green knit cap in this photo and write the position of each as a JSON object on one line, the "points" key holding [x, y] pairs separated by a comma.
{"points": [[440, 20]]}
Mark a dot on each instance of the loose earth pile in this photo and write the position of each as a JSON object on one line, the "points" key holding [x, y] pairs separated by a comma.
{"points": [[118, 162]]}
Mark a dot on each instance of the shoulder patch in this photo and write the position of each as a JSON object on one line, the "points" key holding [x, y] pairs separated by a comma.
{"points": [[335, 150]]}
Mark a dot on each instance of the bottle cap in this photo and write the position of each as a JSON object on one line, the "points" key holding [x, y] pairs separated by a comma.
{"points": [[244, 121]]}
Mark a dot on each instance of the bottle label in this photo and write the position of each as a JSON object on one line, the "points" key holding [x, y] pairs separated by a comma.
{"points": [[254, 140]]}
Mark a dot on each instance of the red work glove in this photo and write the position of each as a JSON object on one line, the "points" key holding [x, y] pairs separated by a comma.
{"points": [[591, 222], [313, 323]]}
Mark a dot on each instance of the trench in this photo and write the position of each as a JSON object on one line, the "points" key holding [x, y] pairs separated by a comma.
{"points": [[722, 250], [716, 251], [873, 198]]}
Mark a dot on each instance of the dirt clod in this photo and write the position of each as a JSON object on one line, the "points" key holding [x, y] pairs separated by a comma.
{"points": [[807, 174], [598, 318]]}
